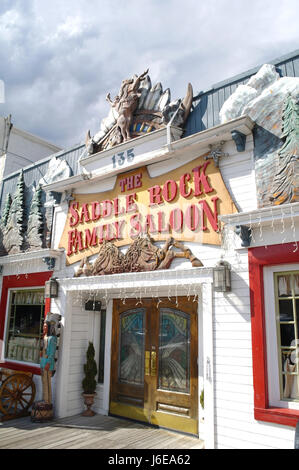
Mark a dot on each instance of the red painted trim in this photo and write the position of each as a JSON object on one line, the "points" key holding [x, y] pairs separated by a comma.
{"points": [[258, 258], [13, 282], [283, 416]]}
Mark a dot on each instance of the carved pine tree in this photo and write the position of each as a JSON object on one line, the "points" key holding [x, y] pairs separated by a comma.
{"points": [[13, 236], [6, 210], [3, 222], [35, 227], [286, 181]]}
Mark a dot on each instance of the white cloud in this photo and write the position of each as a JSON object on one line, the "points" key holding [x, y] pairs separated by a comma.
{"points": [[60, 58]]}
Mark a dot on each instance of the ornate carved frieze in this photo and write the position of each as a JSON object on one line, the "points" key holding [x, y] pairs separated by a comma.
{"points": [[142, 255], [138, 108]]}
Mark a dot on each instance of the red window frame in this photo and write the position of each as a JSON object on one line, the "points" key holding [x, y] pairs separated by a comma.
{"points": [[258, 258], [14, 282]]}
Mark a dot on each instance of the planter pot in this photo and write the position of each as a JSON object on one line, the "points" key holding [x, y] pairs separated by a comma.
{"points": [[88, 401]]}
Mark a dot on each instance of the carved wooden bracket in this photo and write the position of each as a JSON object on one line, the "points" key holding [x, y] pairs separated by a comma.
{"points": [[216, 152]]}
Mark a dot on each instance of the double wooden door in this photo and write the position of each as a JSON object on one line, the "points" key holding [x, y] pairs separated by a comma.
{"points": [[154, 375]]}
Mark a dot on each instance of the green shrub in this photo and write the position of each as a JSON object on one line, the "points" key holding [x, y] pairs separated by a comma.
{"points": [[89, 383]]}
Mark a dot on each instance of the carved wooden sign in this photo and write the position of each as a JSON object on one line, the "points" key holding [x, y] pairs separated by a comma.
{"points": [[184, 204]]}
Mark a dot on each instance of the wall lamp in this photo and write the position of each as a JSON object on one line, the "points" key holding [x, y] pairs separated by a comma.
{"points": [[93, 305], [222, 277], [51, 288]]}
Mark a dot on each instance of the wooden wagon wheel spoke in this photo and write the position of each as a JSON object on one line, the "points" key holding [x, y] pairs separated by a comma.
{"points": [[20, 401], [16, 406], [14, 384], [7, 401], [25, 386], [11, 403], [21, 398]]}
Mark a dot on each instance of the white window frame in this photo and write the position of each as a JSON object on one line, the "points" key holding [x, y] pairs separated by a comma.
{"points": [[271, 337]]}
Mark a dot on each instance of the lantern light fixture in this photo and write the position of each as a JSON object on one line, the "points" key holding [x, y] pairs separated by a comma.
{"points": [[51, 288], [222, 276]]}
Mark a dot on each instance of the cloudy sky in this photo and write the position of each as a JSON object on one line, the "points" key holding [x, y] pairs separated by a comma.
{"points": [[60, 58]]}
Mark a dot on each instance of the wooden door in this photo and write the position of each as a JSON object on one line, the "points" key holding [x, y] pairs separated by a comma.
{"points": [[154, 372]]}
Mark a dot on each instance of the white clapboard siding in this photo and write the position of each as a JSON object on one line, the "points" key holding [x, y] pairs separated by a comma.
{"points": [[238, 174], [78, 347], [81, 334], [235, 379], [247, 438], [235, 426]]}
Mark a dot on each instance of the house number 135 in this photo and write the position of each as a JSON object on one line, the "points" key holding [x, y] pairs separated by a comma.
{"points": [[120, 158]]}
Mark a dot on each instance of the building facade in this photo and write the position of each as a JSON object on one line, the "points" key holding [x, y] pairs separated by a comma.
{"points": [[173, 237]]}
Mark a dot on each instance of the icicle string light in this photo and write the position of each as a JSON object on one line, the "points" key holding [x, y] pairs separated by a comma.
{"points": [[293, 227], [260, 226], [251, 229]]}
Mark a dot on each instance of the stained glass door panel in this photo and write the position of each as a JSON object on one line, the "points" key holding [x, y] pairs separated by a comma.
{"points": [[131, 347], [175, 389], [174, 351], [128, 393], [154, 362]]}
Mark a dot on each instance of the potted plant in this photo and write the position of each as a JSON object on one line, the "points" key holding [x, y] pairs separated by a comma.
{"points": [[89, 383]]}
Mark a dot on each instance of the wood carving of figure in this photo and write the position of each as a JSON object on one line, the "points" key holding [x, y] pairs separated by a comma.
{"points": [[126, 103], [142, 255], [47, 361]]}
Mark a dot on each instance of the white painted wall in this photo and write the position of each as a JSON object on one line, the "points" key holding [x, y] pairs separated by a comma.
{"points": [[23, 149]]}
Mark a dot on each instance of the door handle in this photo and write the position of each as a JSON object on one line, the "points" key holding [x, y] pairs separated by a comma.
{"points": [[153, 363], [147, 363]]}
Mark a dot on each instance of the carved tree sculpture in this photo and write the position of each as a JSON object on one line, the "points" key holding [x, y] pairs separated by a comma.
{"points": [[3, 222], [142, 255], [286, 181], [139, 108], [13, 236], [35, 228], [6, 210]]}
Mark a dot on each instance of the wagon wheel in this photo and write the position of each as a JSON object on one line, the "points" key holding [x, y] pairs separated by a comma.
{"points": [[17, 393]]}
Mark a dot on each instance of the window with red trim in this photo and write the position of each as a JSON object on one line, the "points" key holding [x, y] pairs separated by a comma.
{"points": [[22, 309], [269, 331]]}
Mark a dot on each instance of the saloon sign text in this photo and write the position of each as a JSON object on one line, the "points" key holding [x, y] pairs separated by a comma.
{"points": [[183, 204]]}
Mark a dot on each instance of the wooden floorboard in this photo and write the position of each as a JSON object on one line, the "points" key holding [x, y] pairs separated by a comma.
{"points": [[98, 432]]}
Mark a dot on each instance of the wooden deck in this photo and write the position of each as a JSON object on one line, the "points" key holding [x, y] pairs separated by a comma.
{"points": [[98, 432]]}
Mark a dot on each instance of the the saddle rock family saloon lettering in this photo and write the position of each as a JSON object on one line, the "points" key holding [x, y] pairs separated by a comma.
{"points": [[185, 204]]}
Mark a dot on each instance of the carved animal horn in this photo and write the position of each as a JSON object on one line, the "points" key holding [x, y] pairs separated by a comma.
{"points": [[87, 139], [187, 101]]}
